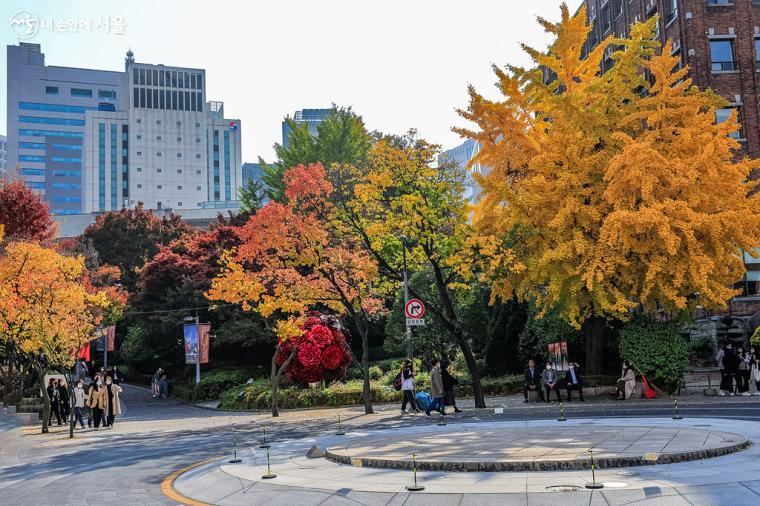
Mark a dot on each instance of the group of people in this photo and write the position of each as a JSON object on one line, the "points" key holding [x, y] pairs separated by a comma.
{"points": [[547, 381], [442, 384], [738, 368], [98, 401]]}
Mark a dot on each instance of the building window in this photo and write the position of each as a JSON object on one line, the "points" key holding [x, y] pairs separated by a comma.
{"points": [[198, 172], [51, 121], [197, 139], [198, 156], [179, 123], [722, 55], [158, 122], [198, 188], [179, 155], [107, 94], [722, 115], [606, 21], [672, 12], [36, 106], [757, 54], [197, 125], [720, 2], [179, 187], [139, 169], [179, 171], [139, 153], [139, 137], [158, 186], [51, 90], [139, 120], [179, 204], [158, 137], [81, 92], [158, 153], [139, 185], [158, 170]]}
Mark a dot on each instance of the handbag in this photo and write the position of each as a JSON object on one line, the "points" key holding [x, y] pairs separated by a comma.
{"points": [[756, 375]]}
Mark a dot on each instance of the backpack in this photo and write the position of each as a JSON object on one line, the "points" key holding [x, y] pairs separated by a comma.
{"points": [[397, 382]]}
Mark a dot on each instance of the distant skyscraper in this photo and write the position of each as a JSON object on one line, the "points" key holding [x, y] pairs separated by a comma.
{"points": [[312, 117], [461, 156], [252, 171], [3, 156], [95, 140]]}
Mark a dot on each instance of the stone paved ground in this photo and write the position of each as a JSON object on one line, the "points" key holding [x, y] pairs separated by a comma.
{"points": [[156, 438]]}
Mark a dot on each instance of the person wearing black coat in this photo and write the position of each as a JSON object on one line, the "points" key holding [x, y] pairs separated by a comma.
{"points": [[574, 381], [449, 382], [63, 393], [532, 379], [55, 401], [731, 367]]}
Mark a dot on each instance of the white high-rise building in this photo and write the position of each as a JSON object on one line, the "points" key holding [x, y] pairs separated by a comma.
{"points": [[461, 156], [91, 140]]}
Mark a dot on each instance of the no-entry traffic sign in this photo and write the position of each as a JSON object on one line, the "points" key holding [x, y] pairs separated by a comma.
{"points": [[414, 309]]}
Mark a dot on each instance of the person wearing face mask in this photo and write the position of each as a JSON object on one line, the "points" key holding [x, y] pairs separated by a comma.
{"points": [[551, 382], [77, 402], [574, 381], [731, 368], [113, 406], [55, 400], [97, 401], [627, 382], [743, 375]]}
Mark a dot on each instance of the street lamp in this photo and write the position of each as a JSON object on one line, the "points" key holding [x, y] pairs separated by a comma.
{"points": [[190, 319], [403, 239]]}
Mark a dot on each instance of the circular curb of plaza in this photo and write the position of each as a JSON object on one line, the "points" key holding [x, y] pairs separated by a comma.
{"points": [[515, 449]]}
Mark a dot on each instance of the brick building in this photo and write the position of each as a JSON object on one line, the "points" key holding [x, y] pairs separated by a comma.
{"points": [[718, 39]]}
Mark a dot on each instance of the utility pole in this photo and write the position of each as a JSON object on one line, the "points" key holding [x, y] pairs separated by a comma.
{"points": [[198, 351], [409, 351]]}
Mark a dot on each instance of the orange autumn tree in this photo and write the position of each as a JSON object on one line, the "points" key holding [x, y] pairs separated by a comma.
{"points": [[298, 256], [617, 193], [46, 311]]}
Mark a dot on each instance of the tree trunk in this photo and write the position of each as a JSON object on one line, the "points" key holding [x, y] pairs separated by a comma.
{"points": [[70, 386], [594, 331], [461, 337], [367, 388], [275, 380], [45, 400]]}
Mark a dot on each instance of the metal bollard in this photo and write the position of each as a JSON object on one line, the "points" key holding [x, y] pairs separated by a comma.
{"points": [[234, 459], [415, 487], [264, 444], [340, 432], [269, 475], [593, 484], [676, 416], [561, 413]]}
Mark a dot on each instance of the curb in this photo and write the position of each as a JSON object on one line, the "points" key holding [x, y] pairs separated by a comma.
{"points": [[167, 485], [552, 465]]}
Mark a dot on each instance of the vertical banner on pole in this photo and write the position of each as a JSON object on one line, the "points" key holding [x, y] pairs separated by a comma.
{"points": [[191, 343], [204, 335], [100, 344], [110, 337]]}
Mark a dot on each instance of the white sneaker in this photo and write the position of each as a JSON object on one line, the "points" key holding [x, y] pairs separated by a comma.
{"points": [[746, 394], [756, 393], [721, 393]]}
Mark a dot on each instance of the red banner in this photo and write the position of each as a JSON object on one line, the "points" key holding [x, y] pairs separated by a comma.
{"points": [[84, 353], [204, 330], [110, 333]]}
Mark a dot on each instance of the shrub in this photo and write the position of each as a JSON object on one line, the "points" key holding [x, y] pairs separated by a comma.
{"points": [[212, 384], [537, 333], [656, 349], [755, 339], [702, 347], [375, 372]]}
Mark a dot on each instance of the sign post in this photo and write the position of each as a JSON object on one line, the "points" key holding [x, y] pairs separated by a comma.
{"points": [[415, 310]]}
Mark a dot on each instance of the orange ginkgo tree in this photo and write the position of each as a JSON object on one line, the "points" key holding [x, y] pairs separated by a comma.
{"points": [[46, 309], [618, 193], [297, 256]]}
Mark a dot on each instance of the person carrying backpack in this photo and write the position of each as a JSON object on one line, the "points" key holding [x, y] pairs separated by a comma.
{"points": [[405, 382]]}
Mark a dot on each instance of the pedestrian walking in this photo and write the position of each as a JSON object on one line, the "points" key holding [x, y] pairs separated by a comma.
{"points": [[407, 387], [96, 399], [113, 406], [163, 385], [63, 392], [449, 382], [154, 383], [55, 400], [744, 372], [551, 382], [77, 402], [731, 368], [436, 388], [117, 377]]}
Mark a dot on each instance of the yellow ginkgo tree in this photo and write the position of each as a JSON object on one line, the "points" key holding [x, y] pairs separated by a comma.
{"points": [[46, 311], [619, 191]]}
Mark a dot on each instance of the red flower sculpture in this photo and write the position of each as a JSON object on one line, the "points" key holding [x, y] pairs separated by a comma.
{"points": [[321, 352]]}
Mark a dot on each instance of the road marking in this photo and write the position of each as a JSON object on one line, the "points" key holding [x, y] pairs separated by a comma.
{"points": [[167, 486]]}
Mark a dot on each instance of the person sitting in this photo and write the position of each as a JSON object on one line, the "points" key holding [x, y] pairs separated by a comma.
{"points": [[574, 381], [531, 380], [551, 382], [626, 383]]}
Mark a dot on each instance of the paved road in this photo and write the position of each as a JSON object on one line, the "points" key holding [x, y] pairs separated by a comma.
{"points": [[154, 438]]}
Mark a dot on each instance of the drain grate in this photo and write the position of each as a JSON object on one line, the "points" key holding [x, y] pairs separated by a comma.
{"points": [[563, 488]]}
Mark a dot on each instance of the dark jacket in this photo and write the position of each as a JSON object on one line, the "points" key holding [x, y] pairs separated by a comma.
{"points": [[64, 394], [730, 362], [534, 378], [569, 377], [448, 380]]}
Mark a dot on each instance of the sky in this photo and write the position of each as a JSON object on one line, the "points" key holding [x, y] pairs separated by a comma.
{"points": [[400, 64]]}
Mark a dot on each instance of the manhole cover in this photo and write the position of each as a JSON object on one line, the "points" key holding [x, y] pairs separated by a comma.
{"points": [[563, 488]]}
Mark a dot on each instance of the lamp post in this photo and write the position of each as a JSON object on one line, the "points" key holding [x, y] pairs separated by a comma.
{"points": [[190, 319], [406, 299]]}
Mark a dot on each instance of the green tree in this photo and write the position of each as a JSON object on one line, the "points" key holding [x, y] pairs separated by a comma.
{"points": [[252, 196], [341, 138]]}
